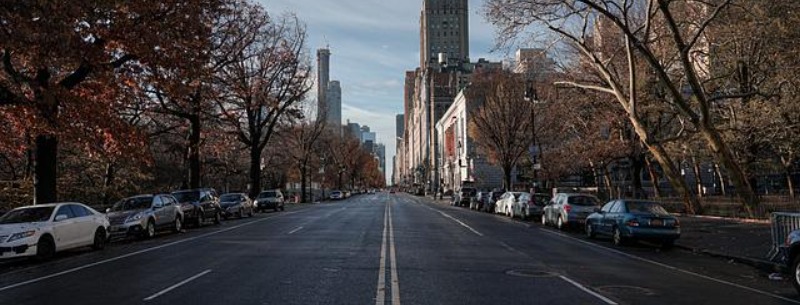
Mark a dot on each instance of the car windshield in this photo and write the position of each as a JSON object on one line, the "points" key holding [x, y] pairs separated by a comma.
{"points": [[230, 197], [638, 207], [187, 196], [38, 214], [267, 195], [582, 200], [135, 203], [497, 195], [516, 195]]}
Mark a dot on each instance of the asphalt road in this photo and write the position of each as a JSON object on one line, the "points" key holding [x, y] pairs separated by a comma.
{"points": [[383, 249]]}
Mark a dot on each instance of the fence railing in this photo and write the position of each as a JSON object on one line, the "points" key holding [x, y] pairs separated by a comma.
{"points": [[781, 225]]}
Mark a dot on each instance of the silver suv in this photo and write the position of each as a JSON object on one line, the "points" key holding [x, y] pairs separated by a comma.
{"points": [[569, 209], [271, 199], [142, 215]]}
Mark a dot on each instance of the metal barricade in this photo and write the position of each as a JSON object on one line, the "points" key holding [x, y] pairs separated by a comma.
{"points": [[781, 224]]}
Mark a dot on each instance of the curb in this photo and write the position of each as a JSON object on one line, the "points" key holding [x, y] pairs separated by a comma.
{"points": [[759, 264], [739, 220]]}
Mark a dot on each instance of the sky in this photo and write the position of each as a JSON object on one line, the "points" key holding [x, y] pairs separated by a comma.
{"points": [[373, 43]]}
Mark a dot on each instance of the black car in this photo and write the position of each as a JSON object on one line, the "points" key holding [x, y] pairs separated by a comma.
{"points": [[198, 205]]}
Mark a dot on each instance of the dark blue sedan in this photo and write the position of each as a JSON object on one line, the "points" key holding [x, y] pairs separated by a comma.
{"points": [[629, 220]]}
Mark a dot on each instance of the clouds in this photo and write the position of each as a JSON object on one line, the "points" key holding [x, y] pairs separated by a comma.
{"points": [[373, 43]]}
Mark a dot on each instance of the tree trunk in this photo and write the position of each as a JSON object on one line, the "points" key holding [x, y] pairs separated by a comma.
{"points": [[722, 187], [255, 171], [692, 205], [637, 163], [45, 170], [507, 179], [303, 183], [722, 154], [609, 184], [194, 152], [698, 179], [653, 177], [108, 181], [789, 183]]}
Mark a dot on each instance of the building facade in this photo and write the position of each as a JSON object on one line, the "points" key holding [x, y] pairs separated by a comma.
{"points": [[444, 29]]}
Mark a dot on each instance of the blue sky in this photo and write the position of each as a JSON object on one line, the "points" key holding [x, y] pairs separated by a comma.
{"points": [[373, 43]]}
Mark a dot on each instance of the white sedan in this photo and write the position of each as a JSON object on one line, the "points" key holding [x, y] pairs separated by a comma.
{"points": [[505, 203], [42, 230]]}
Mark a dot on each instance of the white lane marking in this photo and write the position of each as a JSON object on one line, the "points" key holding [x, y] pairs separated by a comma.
{"points": [[461, 223], [642, 259], [113, 259], [295, 230], [380, 296], [179, 284], [392, 257], [587, 290]]}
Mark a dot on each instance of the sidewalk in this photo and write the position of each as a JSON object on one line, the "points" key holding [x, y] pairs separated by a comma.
{"points": [[744, 242]]}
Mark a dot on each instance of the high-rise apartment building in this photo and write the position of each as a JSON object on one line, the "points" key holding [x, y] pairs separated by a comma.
{"points": [[323, 76], [444, 29], [334, 103]]}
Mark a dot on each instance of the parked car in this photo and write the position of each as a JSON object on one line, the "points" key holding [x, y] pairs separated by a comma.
{"points": [[505, 203], [465, 196], [270, 199], [198, 205], [491, 200], [337, 195], [629, 220], [529, 206], [143, 215], [44, 229], [568, 209], [477, 203], [236, 204]]}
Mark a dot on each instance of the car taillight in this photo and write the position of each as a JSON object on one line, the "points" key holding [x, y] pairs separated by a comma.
{"points": [[633, 223], [567, 208]]}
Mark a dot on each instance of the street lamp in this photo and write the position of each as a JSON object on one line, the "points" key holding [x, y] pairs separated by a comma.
{"points": [[531, 96]]}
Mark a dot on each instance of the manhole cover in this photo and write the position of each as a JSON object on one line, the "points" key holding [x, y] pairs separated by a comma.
{"points": [[626, 290], [530, 273]]}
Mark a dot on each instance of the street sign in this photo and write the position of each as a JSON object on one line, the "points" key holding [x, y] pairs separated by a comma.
{"points": [[537, 166]]}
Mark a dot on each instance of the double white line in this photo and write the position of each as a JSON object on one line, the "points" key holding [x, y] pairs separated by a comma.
{"points": [[388, 230]]}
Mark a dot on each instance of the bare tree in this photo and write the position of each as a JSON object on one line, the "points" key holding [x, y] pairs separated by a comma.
{"points": [[302, 140], [497, 126], [668, 36], [264, 81]]}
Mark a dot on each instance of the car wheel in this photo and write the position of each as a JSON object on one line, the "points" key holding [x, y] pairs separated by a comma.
{"points": [[522, 214], [275, 209], [45, 248], [617, 237], [150, 230], [250, 213], [796, 272], [282, 208], [218, 218], [99, 239], [177, 225], [590, 231]]}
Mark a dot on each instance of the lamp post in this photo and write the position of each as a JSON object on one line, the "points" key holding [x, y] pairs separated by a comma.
{"points": [[531, 96]]}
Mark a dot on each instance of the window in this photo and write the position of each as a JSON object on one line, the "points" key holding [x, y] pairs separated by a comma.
{"points": [[609, 206], [65, 210], [82, 210], [618, 208], [158, 202]]}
